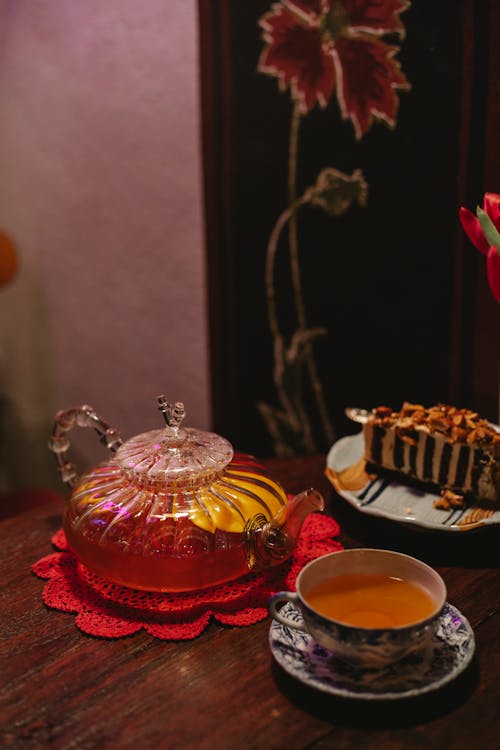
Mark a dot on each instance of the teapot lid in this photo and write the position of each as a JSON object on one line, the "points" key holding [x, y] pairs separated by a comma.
{"points": [[174, 453]]}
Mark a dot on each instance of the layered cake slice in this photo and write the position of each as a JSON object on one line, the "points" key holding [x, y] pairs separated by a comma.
{"points": [[453, 449]]}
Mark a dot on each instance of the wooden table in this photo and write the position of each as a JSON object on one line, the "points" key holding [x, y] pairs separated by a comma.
{"points": [[62, 689]]}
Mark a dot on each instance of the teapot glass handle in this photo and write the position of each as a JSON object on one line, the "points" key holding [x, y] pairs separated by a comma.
{"points": [[59, 444]]}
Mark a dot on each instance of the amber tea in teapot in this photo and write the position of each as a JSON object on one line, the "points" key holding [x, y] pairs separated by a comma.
{"points": [[174, 509]]}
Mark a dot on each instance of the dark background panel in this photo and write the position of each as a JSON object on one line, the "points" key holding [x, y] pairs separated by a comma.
{"points": [[394, 283]]}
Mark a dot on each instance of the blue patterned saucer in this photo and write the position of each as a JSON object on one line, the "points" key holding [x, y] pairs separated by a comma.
{"points": [[444, 659]]}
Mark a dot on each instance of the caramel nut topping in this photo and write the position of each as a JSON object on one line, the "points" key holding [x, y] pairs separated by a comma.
{"points": [[383, 411], [441, 503], [449, 500], [458, 425], [453, 498], [408, 409], [458, 435], [407, 434]]}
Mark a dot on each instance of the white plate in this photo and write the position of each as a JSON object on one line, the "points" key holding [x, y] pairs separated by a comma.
{"points": [[402, 502], [448, 655]]}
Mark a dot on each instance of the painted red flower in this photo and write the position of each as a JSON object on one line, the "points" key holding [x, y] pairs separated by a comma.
{"points": [[483, 230], [321, 47]]}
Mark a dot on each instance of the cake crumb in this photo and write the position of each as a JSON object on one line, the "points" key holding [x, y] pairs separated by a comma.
{"points": [[449, 500]]}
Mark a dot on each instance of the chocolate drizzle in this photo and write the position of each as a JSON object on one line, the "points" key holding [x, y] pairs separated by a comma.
{"points": [[378, 434], [413, 460], [399, 448], [428, 457], [444, 465], [463, 460]]}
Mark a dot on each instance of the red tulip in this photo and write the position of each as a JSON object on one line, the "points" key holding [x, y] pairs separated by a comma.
{"points": [[483, 230]]}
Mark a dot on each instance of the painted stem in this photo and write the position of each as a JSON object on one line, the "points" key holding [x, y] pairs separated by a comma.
{"points": [[295, 274], [272, 248], [292, 226]]}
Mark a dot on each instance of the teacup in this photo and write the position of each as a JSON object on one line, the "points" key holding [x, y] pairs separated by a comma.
{"points": [[359, 644]]}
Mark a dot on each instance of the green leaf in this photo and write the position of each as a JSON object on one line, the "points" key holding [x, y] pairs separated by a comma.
{"points": [[489, 230]]}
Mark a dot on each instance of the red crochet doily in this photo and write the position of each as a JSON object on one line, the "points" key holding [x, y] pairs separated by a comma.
{"points": [[111, 611]]}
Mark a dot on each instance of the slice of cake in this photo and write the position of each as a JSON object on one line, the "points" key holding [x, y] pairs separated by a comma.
{"points": [[452, 449]]}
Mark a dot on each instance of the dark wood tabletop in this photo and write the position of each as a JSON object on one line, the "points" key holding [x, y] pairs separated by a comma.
{"points": [[63, 689]]}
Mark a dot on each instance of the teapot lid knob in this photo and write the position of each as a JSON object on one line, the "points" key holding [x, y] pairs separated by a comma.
{"points": [[174, 453], [173, 414]]}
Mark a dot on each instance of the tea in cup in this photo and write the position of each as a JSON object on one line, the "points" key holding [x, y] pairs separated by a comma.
{"points": [[369, 607]]}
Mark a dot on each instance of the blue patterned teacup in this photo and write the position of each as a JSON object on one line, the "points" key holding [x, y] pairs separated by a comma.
{"points": [[367, 647]]}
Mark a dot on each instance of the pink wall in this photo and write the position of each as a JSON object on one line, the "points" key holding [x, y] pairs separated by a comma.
{"points": [[100, 186]]}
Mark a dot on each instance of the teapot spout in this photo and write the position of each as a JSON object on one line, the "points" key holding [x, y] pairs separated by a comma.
{"points": [[278, 536]]}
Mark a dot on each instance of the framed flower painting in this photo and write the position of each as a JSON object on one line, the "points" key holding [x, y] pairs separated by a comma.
{"points": [[339, 139]]}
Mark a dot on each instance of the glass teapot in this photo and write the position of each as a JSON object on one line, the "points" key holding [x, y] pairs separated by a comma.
{"points": [[174, 509]]}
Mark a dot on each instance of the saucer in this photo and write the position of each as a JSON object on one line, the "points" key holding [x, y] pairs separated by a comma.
{"points": [[443, 660]]}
